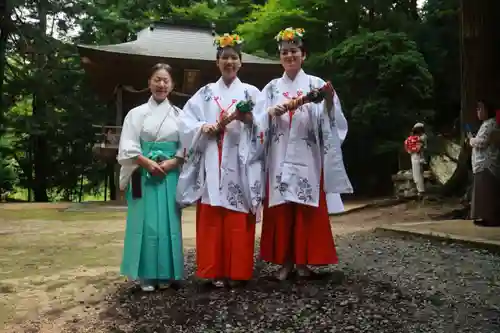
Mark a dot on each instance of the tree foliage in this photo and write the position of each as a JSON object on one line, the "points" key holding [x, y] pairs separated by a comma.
{"points": [[382, 56], [385, 87]]}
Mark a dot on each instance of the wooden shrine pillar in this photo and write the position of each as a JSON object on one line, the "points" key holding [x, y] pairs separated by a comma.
{"points": [[120, 195]]}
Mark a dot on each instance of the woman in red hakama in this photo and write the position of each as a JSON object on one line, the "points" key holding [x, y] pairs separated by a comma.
{"points": [[225, 226], [296, 229], [225, 247]]}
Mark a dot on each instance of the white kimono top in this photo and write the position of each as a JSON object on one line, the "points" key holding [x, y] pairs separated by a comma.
{"points": [[485, 155], [148, 122], [202, 177], [293, 156]]}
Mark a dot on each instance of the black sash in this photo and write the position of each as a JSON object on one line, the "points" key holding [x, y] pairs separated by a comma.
{"points": [[136, 184]]}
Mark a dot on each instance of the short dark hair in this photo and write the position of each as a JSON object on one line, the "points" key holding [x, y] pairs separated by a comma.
{"points": [[489, 107], [162, 66], [418, 130], [159, 67], [301, 46], [220, 50]]}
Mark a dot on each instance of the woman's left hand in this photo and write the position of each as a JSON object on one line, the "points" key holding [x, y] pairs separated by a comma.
{"points": [[169, 165], [329, 95], [245, 117]]}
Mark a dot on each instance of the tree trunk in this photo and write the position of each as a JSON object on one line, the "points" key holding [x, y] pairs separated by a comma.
{"points": [[39, 113], [413, 10], [4, 32], [40, 153], [106, 184], [479, 78], [371, 15], [80, 192], [479, 54], [111, 180]]}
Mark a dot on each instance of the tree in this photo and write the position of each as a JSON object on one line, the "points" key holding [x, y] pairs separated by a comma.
{"points": [[385, 87], [4, 31], [49, 107], [7, 175], [47, 94], [438, 39]]}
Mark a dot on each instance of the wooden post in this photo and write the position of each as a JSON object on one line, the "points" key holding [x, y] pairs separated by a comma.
{"points": [[119, 106], [479, 52], [118, 122]]}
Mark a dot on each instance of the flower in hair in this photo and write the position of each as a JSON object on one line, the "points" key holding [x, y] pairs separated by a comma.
{"points": [[290, 34], [228, 40]]}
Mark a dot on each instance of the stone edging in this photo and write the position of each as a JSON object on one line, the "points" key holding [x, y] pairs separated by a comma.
{"points": [[475, 242], [379, 204]]}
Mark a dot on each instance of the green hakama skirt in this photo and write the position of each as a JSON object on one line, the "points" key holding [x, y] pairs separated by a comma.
{"points": [[153, 239]]}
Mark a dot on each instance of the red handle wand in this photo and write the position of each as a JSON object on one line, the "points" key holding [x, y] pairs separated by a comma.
{"points": [[242, 106], [314, 96]]}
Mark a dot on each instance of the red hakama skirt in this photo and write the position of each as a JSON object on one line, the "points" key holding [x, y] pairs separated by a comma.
{"points": [[298, 234], [225, 243]]}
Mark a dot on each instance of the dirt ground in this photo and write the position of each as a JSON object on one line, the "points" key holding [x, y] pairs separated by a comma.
{"points": [[58, 265]]}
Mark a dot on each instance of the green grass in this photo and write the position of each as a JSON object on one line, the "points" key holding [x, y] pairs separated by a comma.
{"points": [[52, 214], [21, 194]]}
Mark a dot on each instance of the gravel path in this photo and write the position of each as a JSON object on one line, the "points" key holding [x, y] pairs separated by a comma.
{"points": [[383, 284]]}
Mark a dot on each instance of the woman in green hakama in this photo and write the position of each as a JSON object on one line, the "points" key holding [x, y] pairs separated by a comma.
{"points": [[150, 158]]}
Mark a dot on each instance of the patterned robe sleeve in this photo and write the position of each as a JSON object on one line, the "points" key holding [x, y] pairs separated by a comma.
{"points": [[250, 170], [191, 121], [193, 143], [258, 139], [483, 137], [340, 121], [260, 130], [333, 131]]}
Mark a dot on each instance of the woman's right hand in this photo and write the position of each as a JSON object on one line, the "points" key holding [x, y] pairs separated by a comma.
{"points": [[209, 129], [155, 169], [151, 166], [278, 110]]}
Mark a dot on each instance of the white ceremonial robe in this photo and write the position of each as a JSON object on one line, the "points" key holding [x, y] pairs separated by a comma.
{"points": [[294, 155], [334, 203], [147, 122], [225, 184], [333, 200]]}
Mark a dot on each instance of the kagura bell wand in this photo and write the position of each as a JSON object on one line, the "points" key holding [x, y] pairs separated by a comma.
{"points": [[314, 96], [241, 107]]}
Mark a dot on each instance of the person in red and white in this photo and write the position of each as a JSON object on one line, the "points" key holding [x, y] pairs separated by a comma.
{"points": [[300, 151], [214, 176], [415, 145]]}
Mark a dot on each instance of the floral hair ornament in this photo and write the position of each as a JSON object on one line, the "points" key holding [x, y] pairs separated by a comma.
{"points": [[228, 40], [291, 36]]}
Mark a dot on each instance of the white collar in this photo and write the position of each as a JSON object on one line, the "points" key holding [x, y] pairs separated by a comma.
{"points": [[233, 84], [166, 106], [300, 75]]}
